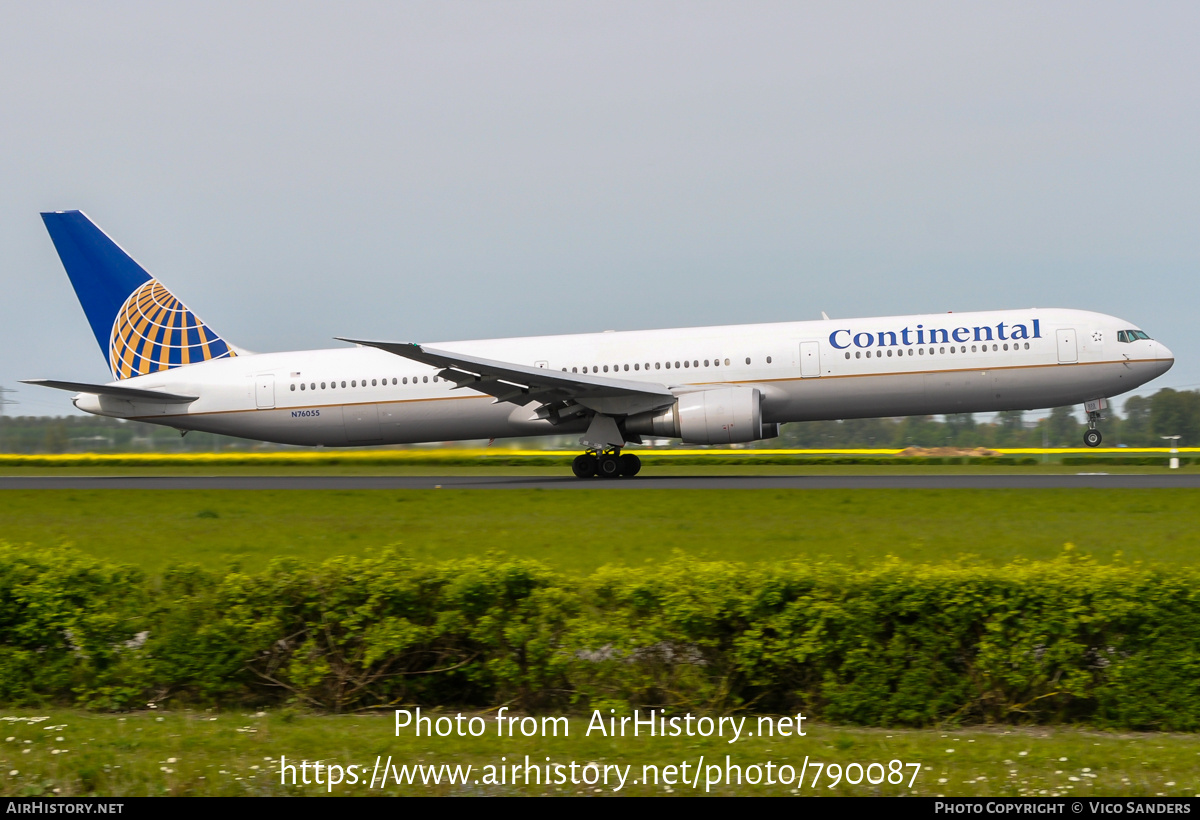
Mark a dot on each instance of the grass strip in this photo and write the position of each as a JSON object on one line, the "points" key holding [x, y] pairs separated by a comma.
{"points": [[65, 752]]}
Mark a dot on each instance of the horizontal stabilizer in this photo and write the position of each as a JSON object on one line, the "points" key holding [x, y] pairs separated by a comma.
{"points": [[129, 393]]}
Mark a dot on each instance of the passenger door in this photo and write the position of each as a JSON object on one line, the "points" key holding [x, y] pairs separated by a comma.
{"points": [[1067, 350], [810, 359], [264, 391]]}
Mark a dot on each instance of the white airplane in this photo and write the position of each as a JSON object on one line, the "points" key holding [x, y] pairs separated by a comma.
{"points": [[704, 385]]}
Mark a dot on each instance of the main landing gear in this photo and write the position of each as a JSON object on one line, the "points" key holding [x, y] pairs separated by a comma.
{"points": [[1092, 437], [606, 464]]}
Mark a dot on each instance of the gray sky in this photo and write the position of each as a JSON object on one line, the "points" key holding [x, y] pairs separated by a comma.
{"points": [[433, 171]]}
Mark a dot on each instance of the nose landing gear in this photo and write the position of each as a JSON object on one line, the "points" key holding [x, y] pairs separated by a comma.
{"points": [[608, 463], [1094, 408]]}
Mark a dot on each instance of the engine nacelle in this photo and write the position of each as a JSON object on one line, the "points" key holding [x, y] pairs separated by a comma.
{"points": [[728, 415]]}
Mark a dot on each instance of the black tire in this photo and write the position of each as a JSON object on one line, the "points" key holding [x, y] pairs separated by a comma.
{"points": [[608, 466], [584, 466], [1092, 438], [631, 465]]}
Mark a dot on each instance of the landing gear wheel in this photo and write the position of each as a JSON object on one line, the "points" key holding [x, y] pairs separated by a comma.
{"points": [[608, 466], [1092, 438], [631, 465], [584, 466]]}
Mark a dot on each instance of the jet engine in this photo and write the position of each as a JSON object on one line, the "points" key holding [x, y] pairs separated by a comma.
{"points": [[727, 415]]}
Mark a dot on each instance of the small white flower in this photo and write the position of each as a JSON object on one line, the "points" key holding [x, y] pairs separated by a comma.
{"points": [[60, 737], [949, 751], [10, 739], [1062, 760], [1022, 754], [170, 760], [14, 773]]}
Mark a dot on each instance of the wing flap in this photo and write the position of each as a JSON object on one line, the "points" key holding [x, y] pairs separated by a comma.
{"points": [[522, 384]]}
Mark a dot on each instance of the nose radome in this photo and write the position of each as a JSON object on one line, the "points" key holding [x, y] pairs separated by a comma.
{"points": [[1164, 355]]}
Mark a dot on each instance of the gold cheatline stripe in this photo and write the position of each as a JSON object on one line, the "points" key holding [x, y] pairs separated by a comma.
{"points": [[292, 407], [314, 406], [955, 370], [751, 381]]}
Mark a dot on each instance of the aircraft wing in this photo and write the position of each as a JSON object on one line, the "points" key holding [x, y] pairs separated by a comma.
{"points": [[522, 384], [130, 393]]}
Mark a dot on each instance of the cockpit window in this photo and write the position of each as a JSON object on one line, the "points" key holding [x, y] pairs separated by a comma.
{"points": [[1131, 335]]}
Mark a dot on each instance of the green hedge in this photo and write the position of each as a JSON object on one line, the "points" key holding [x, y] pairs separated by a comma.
{"points": [[896, 644], [1129, 461]]}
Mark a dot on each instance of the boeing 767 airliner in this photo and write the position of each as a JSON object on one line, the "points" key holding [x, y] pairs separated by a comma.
{"points": [[703, 385]]}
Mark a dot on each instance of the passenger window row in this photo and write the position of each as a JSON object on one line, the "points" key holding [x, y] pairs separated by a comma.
{"points": [[333, 385], [934, 351], [678, 365]]}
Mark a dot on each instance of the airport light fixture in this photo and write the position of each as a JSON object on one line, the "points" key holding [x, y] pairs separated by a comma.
{"points": [[1174, 463]]}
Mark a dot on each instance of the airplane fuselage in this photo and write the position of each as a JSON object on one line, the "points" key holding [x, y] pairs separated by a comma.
{"points": [[804, 371]]}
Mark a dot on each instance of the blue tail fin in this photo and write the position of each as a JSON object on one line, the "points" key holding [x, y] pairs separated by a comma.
{"points": [[140, 326]]}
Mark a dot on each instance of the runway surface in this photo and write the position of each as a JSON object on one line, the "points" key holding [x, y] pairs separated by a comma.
{"points": [[648, 482]]}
